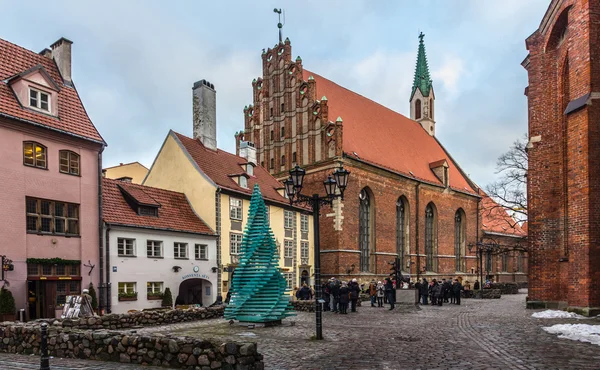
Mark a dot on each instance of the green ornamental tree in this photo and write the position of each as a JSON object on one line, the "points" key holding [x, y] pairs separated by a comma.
{"points": [[259, 290], [7, 302], [167, 300], [94, 301]]}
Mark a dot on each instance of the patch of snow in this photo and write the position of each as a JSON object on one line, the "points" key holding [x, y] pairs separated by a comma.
{"points": [[556, 314], [247, 334], [580, 332]]}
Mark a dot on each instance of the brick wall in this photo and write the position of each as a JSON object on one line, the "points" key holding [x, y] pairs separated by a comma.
{"points": [[563, 166]]}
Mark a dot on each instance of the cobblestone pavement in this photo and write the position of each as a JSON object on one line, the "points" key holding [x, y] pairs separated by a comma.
{"points": [[479, 334]]}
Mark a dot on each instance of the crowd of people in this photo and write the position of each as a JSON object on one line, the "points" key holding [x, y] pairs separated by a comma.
{"points": [[339, 295]]}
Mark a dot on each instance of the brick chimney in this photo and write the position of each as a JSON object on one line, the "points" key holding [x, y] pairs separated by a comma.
{"points": [[204, 108], [61, 52]]}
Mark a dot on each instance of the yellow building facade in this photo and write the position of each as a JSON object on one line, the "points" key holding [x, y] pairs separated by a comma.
{"points": [[218, 185], [135, 172]]}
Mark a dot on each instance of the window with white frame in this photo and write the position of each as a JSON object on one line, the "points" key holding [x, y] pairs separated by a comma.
{"points": [[304, 250], [235, 243], [288, 248], [127, 288], [250, 169], [154, 248], [304, 223], [154, 287], [268, 213], [288, 279], [180, 250], [39, 100], [235, 209], [244, 182], [288, 219], [126, 247], [201, 252]]}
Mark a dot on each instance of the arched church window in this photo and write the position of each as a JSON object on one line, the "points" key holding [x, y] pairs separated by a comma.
{"points": [[364, 230], [431, 108], [430, 239], [418, 109], [401, 227], [459, 240]]}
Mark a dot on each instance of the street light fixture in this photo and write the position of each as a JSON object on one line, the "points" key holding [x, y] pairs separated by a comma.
{"points": [[293, 188]]}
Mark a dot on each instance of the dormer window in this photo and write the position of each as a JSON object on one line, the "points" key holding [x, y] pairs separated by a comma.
{"points": [[244, 182], [39, 100], [250, 169]]}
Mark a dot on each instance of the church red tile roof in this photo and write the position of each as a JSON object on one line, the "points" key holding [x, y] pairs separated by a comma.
{"points": [[219, 165], [72, 117], [174, 210], [494, 218], [384, 137]]}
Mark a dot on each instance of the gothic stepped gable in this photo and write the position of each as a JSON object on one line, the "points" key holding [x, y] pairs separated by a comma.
{"points": [[259, 289]]}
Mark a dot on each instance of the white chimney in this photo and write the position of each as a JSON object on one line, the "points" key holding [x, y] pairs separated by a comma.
{"points": [[204, 108], [61, 52], [248, 151]]}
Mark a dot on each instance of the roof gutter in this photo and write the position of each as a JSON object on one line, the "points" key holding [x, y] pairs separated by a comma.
{"points": [[52, 129], [159, 229]]}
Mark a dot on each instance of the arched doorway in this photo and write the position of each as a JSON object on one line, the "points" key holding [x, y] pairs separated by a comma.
{"points": [[195, 291]]}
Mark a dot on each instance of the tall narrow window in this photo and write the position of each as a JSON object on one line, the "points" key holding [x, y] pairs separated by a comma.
{"points": [[488, 263], [68, 162], [431, 108], [282, 132], [520, 258], [364, 230], [272, 163], [459, 240], [418, 109], [272, 134], [400, 230], [282, 161], [34, 154], [504, 262], [294, 157], [235, 209], [430, 229]]}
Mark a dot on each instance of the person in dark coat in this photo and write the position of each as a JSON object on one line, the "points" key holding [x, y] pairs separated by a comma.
{"points": [[390, 292], [343, 299], [418, 288], [354, 293], [326, 296], [446, 289], [335, 294], [476, 285], [425, 291], [457, 288]]}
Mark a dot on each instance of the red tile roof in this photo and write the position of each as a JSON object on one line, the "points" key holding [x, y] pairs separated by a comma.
{"points": [[72, 117], [139, 195], [385, 138], [219, 165], [174, 213], [494, 218]]}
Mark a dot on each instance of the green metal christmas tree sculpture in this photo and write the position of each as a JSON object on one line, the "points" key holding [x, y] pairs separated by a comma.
{"points": [[259, 291]]}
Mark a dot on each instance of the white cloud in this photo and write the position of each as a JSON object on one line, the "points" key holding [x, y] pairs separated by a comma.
{"points": [[450, 73]]}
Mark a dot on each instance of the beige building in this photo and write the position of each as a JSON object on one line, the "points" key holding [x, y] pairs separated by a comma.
{"points": [[134, 172], [219, 185]]}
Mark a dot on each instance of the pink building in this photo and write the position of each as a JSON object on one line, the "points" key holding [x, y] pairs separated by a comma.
{"points": [[50, 171]]}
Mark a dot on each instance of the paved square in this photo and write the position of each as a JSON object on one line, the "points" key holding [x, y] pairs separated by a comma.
{"points": [[479, 334]]}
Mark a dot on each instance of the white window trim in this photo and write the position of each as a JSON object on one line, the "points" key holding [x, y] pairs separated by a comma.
{"points": [[177, 248], [240, 207], [239, 243], [288, 245], [161, 249], [152, 284], [244, 182], [287, 219], [125, 284], [39, 100], [125, 240], [198, 248], [304, 223], [304, 247]]}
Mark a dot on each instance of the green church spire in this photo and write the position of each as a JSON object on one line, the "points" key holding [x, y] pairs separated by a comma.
{"points": [[422, 79]]}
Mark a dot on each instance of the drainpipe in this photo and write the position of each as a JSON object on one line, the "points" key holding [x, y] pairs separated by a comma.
{"points": [[100, 227], [417, 232], [107, 251]]}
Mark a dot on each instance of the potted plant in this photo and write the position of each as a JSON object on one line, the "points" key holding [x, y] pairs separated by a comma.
{"points": [[7, 305], [167, 299], [128, 296], [154, 296]]}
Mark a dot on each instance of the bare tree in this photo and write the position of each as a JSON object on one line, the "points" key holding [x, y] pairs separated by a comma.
{"points": [[510, 190]]}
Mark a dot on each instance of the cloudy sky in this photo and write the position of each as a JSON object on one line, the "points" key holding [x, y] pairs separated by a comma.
{"points": [[134, 62]]}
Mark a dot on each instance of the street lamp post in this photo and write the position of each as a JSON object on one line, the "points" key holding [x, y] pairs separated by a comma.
{"points": [[293, 188]]}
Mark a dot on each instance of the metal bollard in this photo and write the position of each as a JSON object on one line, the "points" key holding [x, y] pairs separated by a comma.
{"points": [[44, 360]]}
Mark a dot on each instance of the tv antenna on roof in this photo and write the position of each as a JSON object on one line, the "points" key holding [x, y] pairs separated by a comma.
{"points": [[279, 24]]}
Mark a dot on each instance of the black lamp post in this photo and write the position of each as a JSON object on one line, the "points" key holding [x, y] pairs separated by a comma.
{"points": [[293, 188]]}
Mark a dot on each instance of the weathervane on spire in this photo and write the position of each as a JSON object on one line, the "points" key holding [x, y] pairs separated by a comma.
{"points": [[421, 35], [280, 25]]}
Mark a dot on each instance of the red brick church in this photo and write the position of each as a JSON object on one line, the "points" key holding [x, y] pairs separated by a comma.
{"points": [[406, 197], [564, 157]]}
